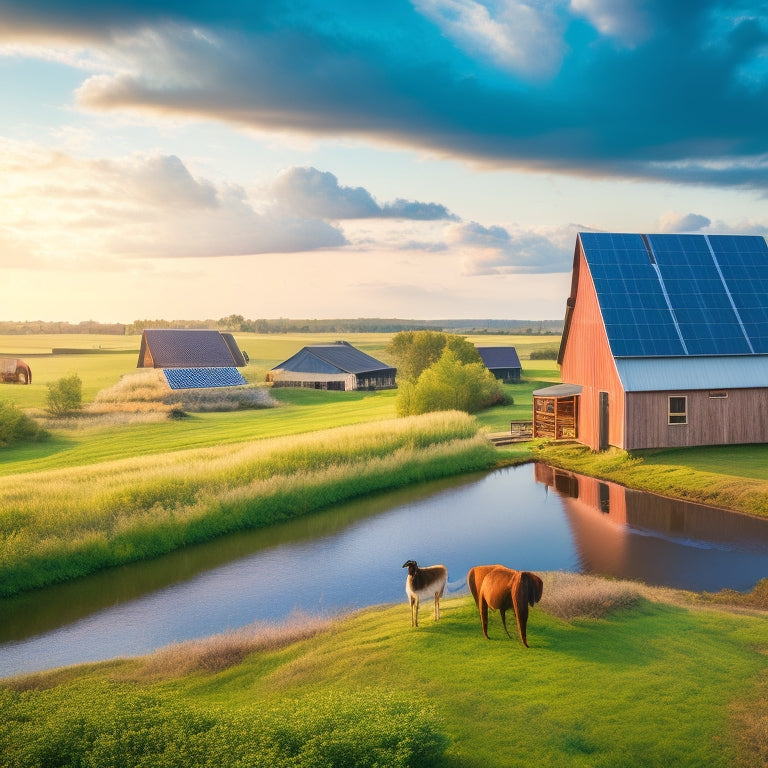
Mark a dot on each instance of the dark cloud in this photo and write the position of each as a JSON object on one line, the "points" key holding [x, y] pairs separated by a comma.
{"points": [[652, 89], [310, 192]]}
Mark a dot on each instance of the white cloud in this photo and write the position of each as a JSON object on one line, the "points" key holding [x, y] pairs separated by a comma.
{"points": [[628, 21], [496, 250], [672, 221], [518, 36]]}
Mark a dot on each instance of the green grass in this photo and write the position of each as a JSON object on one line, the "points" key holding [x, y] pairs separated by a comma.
{"points": [[61, 524], [651, 685], [710, 476]]}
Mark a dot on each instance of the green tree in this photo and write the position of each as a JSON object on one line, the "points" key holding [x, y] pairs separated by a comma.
{"points": [[15, 425], [447, 385], [415, 351], [65, 396]]}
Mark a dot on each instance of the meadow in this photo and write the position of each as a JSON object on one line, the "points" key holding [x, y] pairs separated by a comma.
{"points": [[616, 676]]}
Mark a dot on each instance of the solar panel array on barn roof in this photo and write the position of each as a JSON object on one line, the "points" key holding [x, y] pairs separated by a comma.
{"points": [[201, 378], [681, 295]]}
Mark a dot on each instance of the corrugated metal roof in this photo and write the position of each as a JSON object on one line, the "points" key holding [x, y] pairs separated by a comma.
{"points": [[691, 373], [499, 357], [182, 348], [202, 378], [332, 358]]}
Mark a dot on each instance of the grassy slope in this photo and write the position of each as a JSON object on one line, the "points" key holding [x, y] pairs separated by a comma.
{"points": [[653, 685]]}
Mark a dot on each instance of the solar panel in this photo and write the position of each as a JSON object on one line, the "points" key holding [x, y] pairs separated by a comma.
{"points": [[743, 261], [202, 378], [636, 316], [697, 295], [671, 295]]}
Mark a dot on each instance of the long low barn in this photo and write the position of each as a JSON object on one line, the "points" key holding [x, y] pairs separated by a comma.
{"points": [[337, 366]]}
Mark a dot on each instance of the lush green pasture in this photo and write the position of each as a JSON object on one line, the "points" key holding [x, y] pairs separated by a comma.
{"points": [[649, 686], [60, 524]]}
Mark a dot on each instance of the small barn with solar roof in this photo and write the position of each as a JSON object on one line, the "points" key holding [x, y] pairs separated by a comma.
{"points": [[337, 366], [665, 343], [502, 362], [193, 359]]}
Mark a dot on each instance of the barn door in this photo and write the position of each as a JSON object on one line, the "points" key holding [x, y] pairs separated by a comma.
{"points": [[603, 409]]}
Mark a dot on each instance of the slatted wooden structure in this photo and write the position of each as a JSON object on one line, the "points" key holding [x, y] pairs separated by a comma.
{"points": [[555, 412]]}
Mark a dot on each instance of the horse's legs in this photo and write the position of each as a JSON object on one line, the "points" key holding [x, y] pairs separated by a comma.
{"points": [[503, 612], [437, 606], [484, 616], [414, 610]]}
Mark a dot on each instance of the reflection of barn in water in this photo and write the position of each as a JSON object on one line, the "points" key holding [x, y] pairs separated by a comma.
{"points": [[633, 534]]}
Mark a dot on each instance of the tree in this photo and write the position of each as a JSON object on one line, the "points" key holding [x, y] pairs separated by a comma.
{"points": [[447, 385], [65, 396], [415, 351]]}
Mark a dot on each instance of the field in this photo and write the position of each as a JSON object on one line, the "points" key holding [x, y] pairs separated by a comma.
{"points": [[613, 679]]}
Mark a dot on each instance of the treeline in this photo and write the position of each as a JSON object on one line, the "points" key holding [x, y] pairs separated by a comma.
{"points": [[242, 324]]}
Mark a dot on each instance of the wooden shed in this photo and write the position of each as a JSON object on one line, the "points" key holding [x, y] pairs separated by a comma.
{"points": [[667, 337], [337, 366]]}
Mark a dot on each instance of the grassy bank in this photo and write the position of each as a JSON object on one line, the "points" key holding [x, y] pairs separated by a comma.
{"points": [[731, 477], [61, 524], [611, 679]]}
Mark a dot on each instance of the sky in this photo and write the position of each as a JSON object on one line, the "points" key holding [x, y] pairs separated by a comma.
{"points": [[419, 159]]}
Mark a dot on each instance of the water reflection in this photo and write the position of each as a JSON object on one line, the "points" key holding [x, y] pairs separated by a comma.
{"points": [[635, 535], [530, 517]]}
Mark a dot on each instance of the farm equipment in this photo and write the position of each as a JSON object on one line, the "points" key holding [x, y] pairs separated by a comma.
{"points": [[14, 371]]}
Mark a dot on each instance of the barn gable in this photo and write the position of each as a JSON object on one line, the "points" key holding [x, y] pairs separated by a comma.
{"points": [[192, 359], [654, 321]]}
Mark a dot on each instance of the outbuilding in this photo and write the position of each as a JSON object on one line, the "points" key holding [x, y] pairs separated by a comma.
{"points": [[336, 366], [665, 341], [193, 359], [502, 362]]}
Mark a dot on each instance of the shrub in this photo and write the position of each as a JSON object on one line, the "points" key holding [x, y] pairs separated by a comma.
{"points": [[448, 385], [65, 396], [15, 425], [544, 354]]}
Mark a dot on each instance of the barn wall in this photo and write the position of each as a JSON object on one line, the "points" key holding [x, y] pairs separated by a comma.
{"points": [[587, 360], [742, 417]]}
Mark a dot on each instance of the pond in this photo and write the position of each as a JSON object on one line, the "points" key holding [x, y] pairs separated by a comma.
{"points": [[529, 518]]}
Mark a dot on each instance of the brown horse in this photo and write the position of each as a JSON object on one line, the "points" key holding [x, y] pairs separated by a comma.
{"points": [[500, 588]]}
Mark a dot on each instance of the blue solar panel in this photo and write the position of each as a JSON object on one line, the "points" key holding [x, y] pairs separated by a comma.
{"points": [[664, 295], [743, 261], [636, 316], [202, 378], [698, 296]]}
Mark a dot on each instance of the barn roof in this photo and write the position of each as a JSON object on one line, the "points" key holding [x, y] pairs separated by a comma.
{"points": [[679, 295], [340, 357], [183, 348], [499, 357], [202, 378], [685, 373]]}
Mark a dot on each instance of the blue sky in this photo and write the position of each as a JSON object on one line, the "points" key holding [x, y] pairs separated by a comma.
{"points": [[422, 158]]}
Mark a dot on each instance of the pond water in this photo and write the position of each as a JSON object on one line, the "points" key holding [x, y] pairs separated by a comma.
{"points": [[529, 518]]}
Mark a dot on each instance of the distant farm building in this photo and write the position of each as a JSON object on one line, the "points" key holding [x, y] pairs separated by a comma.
{"points": [[15, 371], [193, 359], [665, 343], [502, 362], [337, 366]]}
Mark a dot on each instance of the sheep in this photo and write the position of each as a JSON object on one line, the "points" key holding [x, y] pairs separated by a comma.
{"points": [[424, 582]]}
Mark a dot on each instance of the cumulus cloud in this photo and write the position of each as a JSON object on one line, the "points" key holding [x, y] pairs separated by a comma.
{"points": [[494, 250], [677, 222], [311, 192], [152, 206]]}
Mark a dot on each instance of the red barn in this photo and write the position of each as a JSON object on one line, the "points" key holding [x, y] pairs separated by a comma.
{"points": [[665, 343]]}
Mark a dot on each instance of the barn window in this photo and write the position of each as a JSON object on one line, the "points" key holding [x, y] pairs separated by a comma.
{"points": [[718, 395], [678, 410]]}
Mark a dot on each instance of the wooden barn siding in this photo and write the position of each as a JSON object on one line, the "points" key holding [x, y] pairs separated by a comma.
{"points": [[742, 417], [587, 361]]}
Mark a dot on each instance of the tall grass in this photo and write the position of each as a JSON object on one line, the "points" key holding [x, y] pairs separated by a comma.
{"points": [[62, 524]]}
